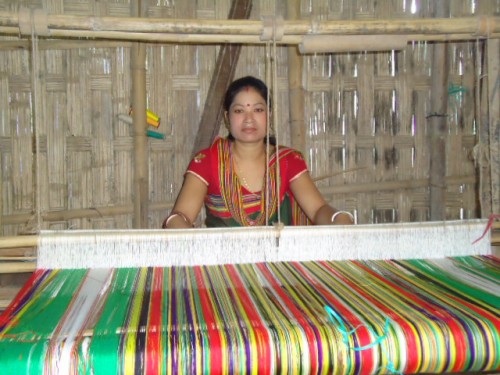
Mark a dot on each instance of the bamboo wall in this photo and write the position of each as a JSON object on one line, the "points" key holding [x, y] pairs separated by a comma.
{"points": [[68, 160]]}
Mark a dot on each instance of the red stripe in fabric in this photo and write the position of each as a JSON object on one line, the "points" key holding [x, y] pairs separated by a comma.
{"points": [[214, 334], [154, 347], [15, 305]]}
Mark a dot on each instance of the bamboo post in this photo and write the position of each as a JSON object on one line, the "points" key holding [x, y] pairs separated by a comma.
{"points": [[438, 123], [493, 51], [1, 197], [296, 92], [481, 153], [141, 169]]}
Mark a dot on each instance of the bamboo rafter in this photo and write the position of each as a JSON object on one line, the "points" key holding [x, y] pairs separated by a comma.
{"points": [[241, 31]]}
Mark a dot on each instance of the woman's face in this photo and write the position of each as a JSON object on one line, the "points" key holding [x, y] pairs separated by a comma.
{"points": [[247, 116]]}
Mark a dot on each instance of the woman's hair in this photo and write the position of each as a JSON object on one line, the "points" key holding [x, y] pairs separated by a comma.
{"points": [[240, 84]]}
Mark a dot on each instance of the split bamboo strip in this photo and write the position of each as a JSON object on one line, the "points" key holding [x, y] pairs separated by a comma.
{"points": [[61, 44], [65, 215], [392, 185]]}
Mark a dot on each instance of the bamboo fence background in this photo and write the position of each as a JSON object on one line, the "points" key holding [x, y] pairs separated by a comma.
{"points": [[364, 114]]}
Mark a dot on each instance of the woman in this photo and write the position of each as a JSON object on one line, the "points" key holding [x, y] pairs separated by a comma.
{"points": [[232, 180]]}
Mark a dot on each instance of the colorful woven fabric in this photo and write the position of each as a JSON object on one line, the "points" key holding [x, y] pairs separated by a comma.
{"points": [[344, 317]]}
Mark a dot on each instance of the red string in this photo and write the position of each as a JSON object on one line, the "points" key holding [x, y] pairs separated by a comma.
{"points": [[488, 226]]}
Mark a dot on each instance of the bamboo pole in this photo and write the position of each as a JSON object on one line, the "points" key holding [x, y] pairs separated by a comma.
{"points": [[17, 267], [438, 123], [112, 39], [139, 105], [18, 241], [207, 31], [141, 179], [493, 53], [481, 25]]}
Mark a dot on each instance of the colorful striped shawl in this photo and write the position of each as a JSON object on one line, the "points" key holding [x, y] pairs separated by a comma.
{"points": [[321, 317]]}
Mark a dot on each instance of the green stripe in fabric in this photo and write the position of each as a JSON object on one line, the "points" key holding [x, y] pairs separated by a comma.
{"points": [[109, 328], [448, 281], [28, 339]]}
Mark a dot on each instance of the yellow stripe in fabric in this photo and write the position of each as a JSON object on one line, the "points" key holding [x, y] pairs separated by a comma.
{"points": [[208, 280], [133, 323]]}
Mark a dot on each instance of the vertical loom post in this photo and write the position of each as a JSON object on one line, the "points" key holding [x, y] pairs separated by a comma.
{"points": [[493, 47], [138, 70], [438, 123]]}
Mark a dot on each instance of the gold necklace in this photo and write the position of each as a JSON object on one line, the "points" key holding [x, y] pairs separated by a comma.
{"points": [[244, 181]]}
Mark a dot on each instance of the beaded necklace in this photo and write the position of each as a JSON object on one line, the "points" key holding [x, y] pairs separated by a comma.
{"points": [[231, 189]]}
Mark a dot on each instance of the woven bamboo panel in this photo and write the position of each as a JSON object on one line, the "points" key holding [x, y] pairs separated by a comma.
{"points": [[68, 160]]}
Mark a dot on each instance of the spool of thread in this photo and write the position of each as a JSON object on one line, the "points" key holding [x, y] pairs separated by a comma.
{"points": [[153, 134]]}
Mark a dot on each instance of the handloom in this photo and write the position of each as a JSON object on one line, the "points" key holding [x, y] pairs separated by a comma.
{"points": [[367, 299]]}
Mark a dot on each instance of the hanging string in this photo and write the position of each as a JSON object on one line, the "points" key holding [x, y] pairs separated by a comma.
{"points": [[272, 79], [275, 117], [268, 119]]}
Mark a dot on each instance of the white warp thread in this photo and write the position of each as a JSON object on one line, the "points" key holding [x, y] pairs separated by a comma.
{"points": [[165, 248]]}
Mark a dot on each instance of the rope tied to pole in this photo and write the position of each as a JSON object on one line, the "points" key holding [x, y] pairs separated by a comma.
{"points": [[33, 21]]}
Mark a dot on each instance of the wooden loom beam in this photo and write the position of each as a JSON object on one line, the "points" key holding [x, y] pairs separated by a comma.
{"points": [[27, 241]]}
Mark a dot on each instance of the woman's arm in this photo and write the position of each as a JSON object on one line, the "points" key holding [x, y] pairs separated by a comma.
{"points": [[188, 203], [314, 205]]}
